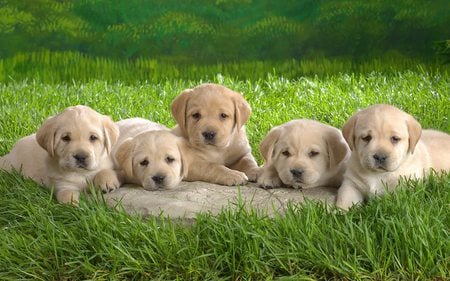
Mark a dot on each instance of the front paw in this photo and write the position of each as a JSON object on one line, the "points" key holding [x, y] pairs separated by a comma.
{"points": [[234, 177], [253, 174], [267, 182], [68, 196], [107, 181]]}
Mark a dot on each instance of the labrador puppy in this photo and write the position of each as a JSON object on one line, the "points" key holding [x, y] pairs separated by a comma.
{"points": [[387, 143], [148, 154], [67, 152], [211, 118], [303, 154]]}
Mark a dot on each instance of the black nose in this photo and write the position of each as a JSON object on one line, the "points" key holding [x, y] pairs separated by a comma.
{"points": [[158, 179], [80, 157], [297, 173], [209, 135], [380, 157]]}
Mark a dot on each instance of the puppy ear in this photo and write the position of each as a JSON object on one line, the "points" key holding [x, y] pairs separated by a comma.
{"points": [[45, 136], [111, 131], [179, 108], [337, 148], [415, 131], [242, 110], [268, 143], [184, 164], [348, 131], [123, 157]]}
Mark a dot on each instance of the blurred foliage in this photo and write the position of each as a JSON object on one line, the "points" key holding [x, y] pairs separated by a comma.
{"points": [[223, 30], [57, 67], [443, 51]]}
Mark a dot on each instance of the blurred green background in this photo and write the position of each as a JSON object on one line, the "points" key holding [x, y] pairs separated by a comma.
{"points": [[223, 30]]}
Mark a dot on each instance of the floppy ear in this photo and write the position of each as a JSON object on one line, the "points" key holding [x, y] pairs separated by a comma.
{"points": [[45, 136], [124, 157], [268, 143], [415, 131], [179, 110], [242, 110], [348, 131], [186, 155], [111, 131], [337, 148], [184, 164]]}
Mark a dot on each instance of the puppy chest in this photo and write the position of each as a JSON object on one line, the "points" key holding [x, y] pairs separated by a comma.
{"points": [[379, 185]]}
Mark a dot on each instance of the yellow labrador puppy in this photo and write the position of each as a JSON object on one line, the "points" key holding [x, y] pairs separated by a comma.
{"points": [[303, 154], [211, 118], [67, 152], [148, 154], [387, 144]]}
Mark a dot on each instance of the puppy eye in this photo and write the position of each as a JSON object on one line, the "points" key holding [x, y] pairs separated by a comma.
{"points": [[367, 138], [223, 116], [93, 138], [196, 116], [395, 139], [66, 139], [144, 163], [169, 159], [286, 153], [313, 153]]}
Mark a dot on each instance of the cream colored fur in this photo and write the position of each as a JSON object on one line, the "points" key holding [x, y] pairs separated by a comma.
{"points": [[148, 154], [67, 152], [387, 144], [303, 154], [211, 118]]}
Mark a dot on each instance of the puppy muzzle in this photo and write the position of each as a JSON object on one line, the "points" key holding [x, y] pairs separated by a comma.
{"points": [[156, 182], [81, 160], [209, 137], [380, 161], [297, 174]]}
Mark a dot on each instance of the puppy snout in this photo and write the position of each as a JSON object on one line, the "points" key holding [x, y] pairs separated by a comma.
{"points": [[80, 157], [209, 135], [297, 173], [380, 158], [158, 179]]}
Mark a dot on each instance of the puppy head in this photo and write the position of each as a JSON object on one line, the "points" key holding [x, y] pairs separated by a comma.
{"points": [[153, 159], [303, 152], [382, 136], [78, 138], [210, 114]]}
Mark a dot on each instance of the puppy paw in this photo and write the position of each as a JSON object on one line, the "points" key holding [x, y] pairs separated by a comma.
{"points": [[268, 182], [106, 180], [235, 178], [254, 174], [68, 196]]}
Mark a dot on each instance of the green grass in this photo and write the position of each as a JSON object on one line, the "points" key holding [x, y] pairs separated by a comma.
{"points": [[402, 236], [54, 67]]}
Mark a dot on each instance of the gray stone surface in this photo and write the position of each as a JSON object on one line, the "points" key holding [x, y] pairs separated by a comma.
{"points": [[190, 198]]}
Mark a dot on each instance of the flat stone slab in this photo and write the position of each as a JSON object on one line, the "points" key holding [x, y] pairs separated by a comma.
{"points": [[190, 198]]}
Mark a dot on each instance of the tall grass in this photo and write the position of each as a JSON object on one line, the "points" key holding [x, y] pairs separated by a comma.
{"points": [[54, 67], [402, 236]]}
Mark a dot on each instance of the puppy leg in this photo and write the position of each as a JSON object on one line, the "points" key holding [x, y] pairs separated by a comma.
{"points": [[107, 180], [215, 173], [68, 196], [269, 178], [248, 165], [348, 195]]}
